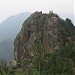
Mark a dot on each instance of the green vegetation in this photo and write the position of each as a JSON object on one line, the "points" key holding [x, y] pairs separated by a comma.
{"points": [[59, 62]]}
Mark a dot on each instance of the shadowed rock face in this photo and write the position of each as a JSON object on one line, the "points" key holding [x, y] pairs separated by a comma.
{"points": [[46, 29]]}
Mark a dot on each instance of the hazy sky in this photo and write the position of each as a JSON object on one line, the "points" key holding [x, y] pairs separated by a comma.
{"points": [[61, 7]]}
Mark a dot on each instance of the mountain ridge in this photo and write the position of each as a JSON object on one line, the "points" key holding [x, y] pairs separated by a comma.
{"points": [[9, 28], [12, 24]]}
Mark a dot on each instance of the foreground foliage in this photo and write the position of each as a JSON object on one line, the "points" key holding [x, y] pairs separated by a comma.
{"points": [[59, 62]]}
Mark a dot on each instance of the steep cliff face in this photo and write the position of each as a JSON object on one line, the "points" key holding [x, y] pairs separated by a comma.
{"points": [[47, 29]]}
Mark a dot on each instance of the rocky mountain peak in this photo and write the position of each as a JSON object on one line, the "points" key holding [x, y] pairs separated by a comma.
{"points": [[41, 28]]}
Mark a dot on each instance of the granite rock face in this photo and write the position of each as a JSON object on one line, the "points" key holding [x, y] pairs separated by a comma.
{"points": [[40, 28]]}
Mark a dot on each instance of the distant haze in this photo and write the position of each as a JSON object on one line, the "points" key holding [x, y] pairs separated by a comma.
{"points": [[9, 29], [65, 8]]}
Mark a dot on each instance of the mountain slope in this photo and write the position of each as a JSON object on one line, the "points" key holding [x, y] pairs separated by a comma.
{"points": [[47, 29], [12, 25], [6, 49]]}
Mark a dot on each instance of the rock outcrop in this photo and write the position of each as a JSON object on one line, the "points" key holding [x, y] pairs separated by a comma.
{"points": [[10, 66], [40, 28]]}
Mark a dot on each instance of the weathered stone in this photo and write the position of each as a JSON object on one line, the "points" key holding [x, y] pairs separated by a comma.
{"points": [[48, 29]]}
